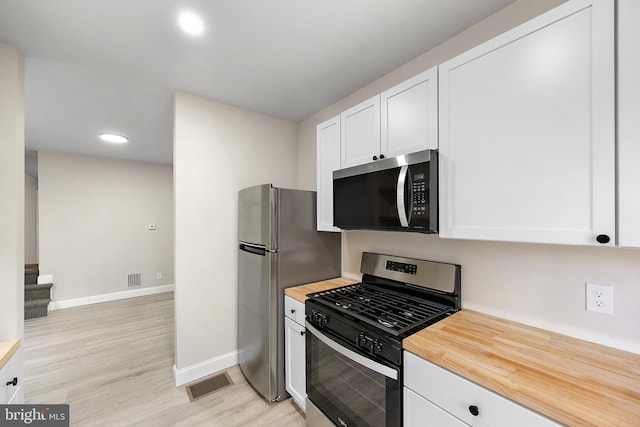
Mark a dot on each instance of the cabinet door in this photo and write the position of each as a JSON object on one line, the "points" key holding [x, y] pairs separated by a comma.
{"points": [[328, 160], [628, 124], [360, 133], [409, 115], [527, 132], [294, 357], [419, 412], [10, 393]]}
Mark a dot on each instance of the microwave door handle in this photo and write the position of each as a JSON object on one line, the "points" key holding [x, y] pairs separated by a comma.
{"points": [[402, 212]]}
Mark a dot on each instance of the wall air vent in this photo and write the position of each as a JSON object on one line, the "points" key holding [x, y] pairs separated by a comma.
{"points": [[133, 280]]}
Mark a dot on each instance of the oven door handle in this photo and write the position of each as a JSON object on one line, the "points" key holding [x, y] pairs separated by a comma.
{"points": [[362, 360]]}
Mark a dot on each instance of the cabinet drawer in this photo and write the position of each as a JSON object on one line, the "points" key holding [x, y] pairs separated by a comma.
{"points": [[455, 395], [294, 309], [418, 412], [10, 371]]}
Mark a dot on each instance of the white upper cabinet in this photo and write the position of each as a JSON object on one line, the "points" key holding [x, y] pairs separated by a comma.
{"points": [[628, 123], [409, 115], [328, 160], [360, 133], [401, 120], [527, 132]]}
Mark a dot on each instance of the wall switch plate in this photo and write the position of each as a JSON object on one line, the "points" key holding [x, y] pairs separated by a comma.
{"points": [[158, 276], [599, 298]]}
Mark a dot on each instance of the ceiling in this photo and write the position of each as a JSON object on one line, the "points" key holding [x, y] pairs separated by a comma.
{"points": [[94, 65]]}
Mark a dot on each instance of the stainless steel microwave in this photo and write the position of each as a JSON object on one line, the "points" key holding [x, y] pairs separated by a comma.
{"points": [[397, 194]]}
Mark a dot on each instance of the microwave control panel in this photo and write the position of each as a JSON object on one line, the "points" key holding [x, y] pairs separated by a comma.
{"points": [[420, 189]]}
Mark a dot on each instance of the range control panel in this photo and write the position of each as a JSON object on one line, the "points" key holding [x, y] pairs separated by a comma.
{"points": [[402, 267]]}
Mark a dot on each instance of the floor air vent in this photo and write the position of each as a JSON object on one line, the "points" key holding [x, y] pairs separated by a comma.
{"points": [[133, 280], [209, 385]]}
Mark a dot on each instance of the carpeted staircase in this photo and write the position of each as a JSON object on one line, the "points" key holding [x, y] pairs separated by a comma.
{"points": [[36, 297]]}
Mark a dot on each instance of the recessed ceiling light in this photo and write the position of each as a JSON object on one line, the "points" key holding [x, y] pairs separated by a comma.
{"points": [[112, 137], [191, 23]]}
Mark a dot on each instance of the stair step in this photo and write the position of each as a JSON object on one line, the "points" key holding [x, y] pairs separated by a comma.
{"points": [[30, 277], [40, 286], [37, 302], [36, 308], [37, 292]]}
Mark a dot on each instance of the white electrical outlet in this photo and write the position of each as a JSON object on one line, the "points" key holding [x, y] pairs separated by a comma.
{"points": [[158, 276], [599, 298]]}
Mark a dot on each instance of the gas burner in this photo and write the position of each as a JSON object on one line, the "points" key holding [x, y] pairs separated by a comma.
{"points": [[391, 310], [388, 324]]}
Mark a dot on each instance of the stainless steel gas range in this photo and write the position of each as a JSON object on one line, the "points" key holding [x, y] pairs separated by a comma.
{"points": [[354, 337]]}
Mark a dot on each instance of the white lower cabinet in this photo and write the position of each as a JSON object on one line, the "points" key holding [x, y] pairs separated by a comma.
{"points": [[448, 398], [10, 374], [294, 353], [418, 411]]}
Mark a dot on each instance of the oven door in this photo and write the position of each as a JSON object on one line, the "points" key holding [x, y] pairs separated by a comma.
{"points": [[348, 387]]}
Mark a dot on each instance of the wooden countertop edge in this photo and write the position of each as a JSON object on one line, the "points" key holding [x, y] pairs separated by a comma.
{"points": [[568, 380], [7, 349], [299, 293]]}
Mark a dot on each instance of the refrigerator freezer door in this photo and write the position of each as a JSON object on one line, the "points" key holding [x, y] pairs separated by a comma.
{"points": [[305, 255], [257, 322], [257, 216]]}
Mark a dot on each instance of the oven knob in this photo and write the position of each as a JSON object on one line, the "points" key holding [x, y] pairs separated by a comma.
{"points": [[377, 347], [361, 340], [318, 318], [324, 320]]}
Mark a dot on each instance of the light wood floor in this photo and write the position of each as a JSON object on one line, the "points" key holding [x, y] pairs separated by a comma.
{"points": [[112, 363]]}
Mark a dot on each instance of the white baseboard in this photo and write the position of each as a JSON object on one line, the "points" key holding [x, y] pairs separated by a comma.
{"points": [[95, 299], [200, 370]]}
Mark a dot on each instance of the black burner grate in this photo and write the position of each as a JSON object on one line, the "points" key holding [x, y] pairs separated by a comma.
{"points": [[392, 311]]}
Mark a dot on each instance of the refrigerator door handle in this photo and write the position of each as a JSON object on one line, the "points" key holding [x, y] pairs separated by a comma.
{"points": [[257, 250]]}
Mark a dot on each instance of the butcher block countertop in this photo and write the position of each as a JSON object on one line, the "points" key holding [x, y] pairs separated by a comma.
{"points": [[299, 293], [571, 381], [7, 349]]}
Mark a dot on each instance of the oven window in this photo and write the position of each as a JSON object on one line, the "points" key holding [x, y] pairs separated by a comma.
{"points": [[347, 392]]}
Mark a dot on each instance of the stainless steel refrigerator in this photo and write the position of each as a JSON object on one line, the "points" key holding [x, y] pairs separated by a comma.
{"points": [[278, 247]]}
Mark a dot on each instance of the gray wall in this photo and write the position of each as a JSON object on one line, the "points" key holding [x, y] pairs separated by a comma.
{"points": [[218, 150], [30, 220], [93, 223]]}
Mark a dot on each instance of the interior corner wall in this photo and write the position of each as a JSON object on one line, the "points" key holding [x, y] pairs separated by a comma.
{"points": [[30, 220], [218, 150], [11, 193], [93, 217]]}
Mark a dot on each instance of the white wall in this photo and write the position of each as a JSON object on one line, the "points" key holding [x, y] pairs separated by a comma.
{"points": [[11, 193], [218, 149], [30, 220], [541, 285], [93, 223]]}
